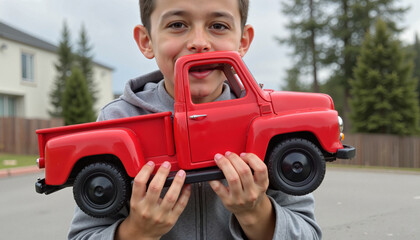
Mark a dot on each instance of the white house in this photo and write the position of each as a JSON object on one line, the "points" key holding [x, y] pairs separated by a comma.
{"points": [[27, 74]]}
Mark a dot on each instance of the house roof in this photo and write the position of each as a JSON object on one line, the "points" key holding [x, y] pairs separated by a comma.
{"points": [[13, 34], [16, 35]]}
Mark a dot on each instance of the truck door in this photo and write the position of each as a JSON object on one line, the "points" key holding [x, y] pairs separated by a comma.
{"points": [[220, 126]]}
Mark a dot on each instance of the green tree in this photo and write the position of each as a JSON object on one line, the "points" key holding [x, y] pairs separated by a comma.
{"points": [[84, 60], [336, 91], [77, 102], [293, 82], [306, 26], [384, 92], [416, 71], [63, 67], [350, 21]]}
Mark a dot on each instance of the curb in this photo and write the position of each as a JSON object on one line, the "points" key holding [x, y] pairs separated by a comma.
{"points": [[10, 172]]}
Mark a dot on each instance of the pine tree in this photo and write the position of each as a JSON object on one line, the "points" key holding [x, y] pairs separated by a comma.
{"points": [[307, 25], [63, 67], [84, 59], [336, 91], [350, 20], [293, 82], [416, 71], [77, 102], [384, 96]]}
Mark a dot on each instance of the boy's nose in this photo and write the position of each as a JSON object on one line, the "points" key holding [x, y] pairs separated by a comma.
{"points": [[198, 42]]}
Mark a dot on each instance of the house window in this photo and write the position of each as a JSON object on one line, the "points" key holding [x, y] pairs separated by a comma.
{"points": [[7, 106], [27, 67]]}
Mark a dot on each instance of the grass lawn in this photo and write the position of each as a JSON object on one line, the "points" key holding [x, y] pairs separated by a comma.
{"points": [[13, 160]]}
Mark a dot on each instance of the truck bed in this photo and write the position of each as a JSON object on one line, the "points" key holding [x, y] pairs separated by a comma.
{"points": [[152, 129]]}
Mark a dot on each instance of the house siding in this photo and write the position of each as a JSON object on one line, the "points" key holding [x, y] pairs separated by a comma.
{"points": [[32, 98]]}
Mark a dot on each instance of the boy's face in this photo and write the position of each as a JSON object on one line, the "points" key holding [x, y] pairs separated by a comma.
{"points": [[181, 27]]}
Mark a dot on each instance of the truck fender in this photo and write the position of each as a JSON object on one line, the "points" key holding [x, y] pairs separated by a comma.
{"points": [[62, 152], [326, 125]]}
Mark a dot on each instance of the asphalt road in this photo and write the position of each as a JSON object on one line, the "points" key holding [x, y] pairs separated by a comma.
{"points": [[350, 204], [25, 214], [369, 205]]}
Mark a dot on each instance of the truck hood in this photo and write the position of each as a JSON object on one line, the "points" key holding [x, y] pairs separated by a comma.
{"points": [[284, 101]]}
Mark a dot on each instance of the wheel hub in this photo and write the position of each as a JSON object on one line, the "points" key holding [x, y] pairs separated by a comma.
{"points": [[100, 190], [296, 167]]}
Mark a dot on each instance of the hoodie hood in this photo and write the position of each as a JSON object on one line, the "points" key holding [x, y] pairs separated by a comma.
{"points": [[148, 93]]}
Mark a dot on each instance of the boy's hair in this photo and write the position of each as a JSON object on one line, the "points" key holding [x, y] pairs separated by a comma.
{"points": [[147, 7]]}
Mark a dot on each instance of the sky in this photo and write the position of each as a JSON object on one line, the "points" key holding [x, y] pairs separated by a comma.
{"points": [[110, 26]]}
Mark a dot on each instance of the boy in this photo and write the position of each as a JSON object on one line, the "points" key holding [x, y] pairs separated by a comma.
{"points": [[242, 207]]}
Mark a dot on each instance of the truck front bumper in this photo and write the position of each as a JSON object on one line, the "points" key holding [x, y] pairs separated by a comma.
{"points": [[346, 152]]}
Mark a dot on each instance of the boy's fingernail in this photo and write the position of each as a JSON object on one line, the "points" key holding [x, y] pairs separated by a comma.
{"points": [[181, 173], [150, 163], [218, 156], [166, 165], [243, 154], [228, 153]]}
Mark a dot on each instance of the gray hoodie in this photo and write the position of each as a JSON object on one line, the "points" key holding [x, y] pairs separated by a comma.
{"points": [[205, 217]]}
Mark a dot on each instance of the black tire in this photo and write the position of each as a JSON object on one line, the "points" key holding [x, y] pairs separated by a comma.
{"points": [[296, 166], [101, 189]]}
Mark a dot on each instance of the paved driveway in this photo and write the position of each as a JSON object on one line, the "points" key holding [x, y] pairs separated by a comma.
{"points": [[25, 214], [364, 204], [350, 204]]}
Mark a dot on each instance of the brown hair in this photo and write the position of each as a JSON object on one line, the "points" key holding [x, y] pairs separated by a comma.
{"points": [[147, 7]]}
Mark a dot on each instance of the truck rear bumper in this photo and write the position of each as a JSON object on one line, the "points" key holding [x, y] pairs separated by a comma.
{"points": [[41, 187], [346, 152]]}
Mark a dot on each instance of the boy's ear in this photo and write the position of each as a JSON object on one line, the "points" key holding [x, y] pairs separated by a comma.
{"points": [[246, 40], [143, 40]]}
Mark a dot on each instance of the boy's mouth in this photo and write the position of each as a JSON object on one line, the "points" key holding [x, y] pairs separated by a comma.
{"points": [[200, 72]]}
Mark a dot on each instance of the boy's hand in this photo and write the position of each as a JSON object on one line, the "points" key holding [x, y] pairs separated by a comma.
{"points": [[151, 216], [245, 196]]}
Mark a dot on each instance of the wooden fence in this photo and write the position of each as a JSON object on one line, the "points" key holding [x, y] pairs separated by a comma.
{"points": [[384, 150], [17, 135]]}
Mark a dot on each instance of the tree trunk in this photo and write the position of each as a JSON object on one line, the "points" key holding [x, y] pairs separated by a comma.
{"points": [[314, 57]]}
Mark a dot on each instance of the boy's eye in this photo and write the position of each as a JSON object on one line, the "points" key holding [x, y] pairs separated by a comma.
{"points": [[176, 25], [219, 26]]}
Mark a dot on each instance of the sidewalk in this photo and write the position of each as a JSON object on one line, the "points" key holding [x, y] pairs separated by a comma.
{"points": [[9, 172]]}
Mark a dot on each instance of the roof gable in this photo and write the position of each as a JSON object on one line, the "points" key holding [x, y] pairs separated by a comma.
{"points": [[16, 35]]}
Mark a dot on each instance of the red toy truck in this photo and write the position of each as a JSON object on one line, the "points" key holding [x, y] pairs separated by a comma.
{"points": [[294, 133]]}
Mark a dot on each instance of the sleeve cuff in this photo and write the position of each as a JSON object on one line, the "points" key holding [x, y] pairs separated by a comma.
{"points": [[279, 232]]}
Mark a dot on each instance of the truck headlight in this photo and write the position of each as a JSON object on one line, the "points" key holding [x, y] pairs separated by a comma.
{"points": [[340, 124], [341, 128]]}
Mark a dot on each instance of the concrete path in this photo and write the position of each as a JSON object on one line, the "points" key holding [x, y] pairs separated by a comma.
{"points": [[25, 214], [9, 172], [350, 204], [369, 205]]}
